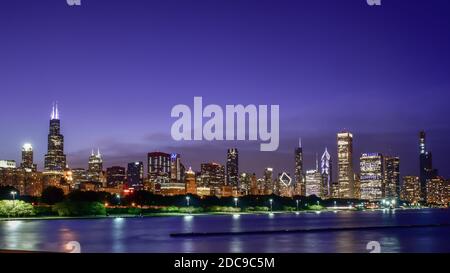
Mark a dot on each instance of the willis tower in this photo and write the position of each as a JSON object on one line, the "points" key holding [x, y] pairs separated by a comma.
{"points": [[55, 159]]}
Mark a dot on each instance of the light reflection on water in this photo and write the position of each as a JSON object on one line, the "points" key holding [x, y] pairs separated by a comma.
{"points": [[153, 234]]}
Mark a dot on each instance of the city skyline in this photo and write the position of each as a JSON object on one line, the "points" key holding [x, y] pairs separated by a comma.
{"points": [[360, 58], [230, 164]]}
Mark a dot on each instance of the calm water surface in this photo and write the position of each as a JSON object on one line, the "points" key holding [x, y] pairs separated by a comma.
{"points": [[152, 234]]}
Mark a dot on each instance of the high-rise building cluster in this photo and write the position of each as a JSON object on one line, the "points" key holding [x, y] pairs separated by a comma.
{"points": [[378, 176]]}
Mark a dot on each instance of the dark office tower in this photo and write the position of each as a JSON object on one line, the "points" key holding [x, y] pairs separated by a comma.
{"points": [[232, 167], [325, 171], [175, 168], [426, 165], [391, 188], [159, 170], [299, 178], [55, 159], [345, 164], [268, 181], [135, 175], [115, 176], [95, 166], [27, 158]]}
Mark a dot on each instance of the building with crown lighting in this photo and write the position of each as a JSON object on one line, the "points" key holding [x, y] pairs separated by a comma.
{"points": [[326, 172], [55, 159], [95, 166]]}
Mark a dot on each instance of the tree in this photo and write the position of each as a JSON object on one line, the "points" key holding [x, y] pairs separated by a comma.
{"points": [[16, 208], [52, 195]]}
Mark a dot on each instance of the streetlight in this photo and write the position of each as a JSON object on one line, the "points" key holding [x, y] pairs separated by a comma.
{"points": [[13, 193], [318, 203], [270, 201], [296, 201], [118, 198], [335, 204], [187, 200], [235, 201]]}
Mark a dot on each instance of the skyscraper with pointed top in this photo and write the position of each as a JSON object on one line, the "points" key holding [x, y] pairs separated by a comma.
{"points": [[325, 164], [95, 166], [55, 159]]}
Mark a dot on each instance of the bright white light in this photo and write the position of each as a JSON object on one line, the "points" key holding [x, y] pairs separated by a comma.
{"points": [[27, 147]]}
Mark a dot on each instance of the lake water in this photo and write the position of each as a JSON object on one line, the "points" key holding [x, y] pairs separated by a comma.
{"points": [[152, 234]]}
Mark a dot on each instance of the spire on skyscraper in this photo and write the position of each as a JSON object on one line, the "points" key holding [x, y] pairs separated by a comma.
{"points": [[300, 142], [55, 113], [317, 162]]}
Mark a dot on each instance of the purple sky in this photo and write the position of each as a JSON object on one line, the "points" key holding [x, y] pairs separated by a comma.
{"points": [[118, 67]]}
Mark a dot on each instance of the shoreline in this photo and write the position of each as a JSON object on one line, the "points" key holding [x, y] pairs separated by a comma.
{"points": [[42, 218]]}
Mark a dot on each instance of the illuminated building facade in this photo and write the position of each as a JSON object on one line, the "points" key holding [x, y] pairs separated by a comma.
{"points": [[7, 164], [325, 170], [175, 168], [298, 173], [411, 191], [437, 191], [233, 167], [314, 183], [191, 185], [27, 158], [392, 177], [372, 176], [55, 159], [159, 167], [213, 176], [345, 164], [95, 166], [244, 183]]}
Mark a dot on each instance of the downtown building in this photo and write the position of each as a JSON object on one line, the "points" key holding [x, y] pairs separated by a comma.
{"points": [[372, 176], [158, 168], [391, 186], [115, 176], [135, 175], [213, 177], [411, 191], [326, 172], [269, 185], [345, 165], [299, 176], [95, 167], [437, 191], [55, 159], [314, 183], [425, 164], [233, 168]]}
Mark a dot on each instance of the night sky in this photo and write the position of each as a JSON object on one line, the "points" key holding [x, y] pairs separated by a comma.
{"points": [[117, 67]]}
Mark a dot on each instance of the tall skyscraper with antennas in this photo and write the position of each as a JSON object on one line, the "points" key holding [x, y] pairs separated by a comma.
{"points": [[55, 159]]}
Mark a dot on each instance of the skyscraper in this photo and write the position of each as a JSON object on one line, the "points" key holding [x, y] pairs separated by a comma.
{"points": [[55, 159], [345, 164], [175, 168], [314, 183], [325, 170], [232, 167], [115, 176], [411, 189], [27, 158], [95, 166], [437, 191], [298, 174], [268, 181], [372, 176], [425, 164], [191, 187], [135, 175], [391, 187], [158, 167], [213, 176]]}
